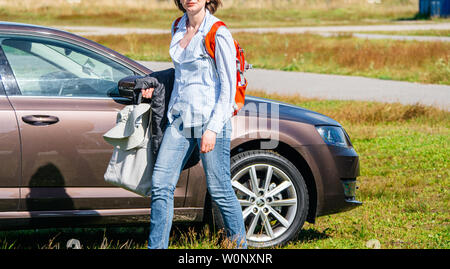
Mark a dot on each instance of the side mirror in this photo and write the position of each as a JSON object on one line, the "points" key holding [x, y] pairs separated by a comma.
{"points": [[126, 88]]}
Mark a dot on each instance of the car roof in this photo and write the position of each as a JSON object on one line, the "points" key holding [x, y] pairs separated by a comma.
{"points": [[6, 26], [23, 28]]}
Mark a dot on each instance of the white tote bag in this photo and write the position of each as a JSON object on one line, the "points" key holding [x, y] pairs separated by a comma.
{"points": [[132, 168]]}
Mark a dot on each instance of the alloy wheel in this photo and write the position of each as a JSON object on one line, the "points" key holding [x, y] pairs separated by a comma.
{"points": [[268, 199]]}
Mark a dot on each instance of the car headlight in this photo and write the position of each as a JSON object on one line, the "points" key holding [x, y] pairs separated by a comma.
{"points": [[333, 135]]}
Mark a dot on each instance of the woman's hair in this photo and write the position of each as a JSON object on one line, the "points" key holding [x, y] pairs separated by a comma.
{"points": [[211, 5]]}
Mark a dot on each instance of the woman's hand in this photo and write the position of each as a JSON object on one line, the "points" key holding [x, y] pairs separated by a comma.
{"points": [[208, 141], [147, 93]]}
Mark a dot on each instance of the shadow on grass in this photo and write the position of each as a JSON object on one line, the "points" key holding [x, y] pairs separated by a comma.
{"points": [[183, 235], [197, 235], [312, 234], [112, 237], [90, 238]]}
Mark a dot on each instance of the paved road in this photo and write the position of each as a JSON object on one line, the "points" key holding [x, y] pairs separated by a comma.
{"points": [[353, 28], [322, 30], [341, 87]]}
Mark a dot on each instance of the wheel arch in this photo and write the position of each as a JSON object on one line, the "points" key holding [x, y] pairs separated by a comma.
{"points": [[299, 162]]}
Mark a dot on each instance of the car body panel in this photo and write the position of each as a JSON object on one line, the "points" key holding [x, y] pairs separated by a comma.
{"points": [[290, 112], [10, 173], [71, 153]]}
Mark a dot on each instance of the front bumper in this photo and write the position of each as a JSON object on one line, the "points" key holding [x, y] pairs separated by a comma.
{"points": [[335, 170]]}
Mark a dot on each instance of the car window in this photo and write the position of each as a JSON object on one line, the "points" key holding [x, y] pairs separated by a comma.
{"points": [[51, 68]]}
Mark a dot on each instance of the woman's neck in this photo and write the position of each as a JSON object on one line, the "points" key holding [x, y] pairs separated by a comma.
{"points": [[196, 19]]}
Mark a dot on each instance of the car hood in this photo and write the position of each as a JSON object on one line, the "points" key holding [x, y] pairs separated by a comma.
{"points": [[286, 111]]}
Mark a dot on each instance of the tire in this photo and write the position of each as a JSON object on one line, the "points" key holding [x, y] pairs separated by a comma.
{"points": [[282, 203]]}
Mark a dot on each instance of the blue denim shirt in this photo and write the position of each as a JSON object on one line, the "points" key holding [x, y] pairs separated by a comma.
{"points": [[203, 91]]}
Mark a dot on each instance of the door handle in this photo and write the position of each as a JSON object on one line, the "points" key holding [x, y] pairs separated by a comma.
{"points": [[40, 119]]}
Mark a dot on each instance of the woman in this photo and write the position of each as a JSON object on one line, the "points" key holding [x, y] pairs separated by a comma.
{"points": [[199, 115]]}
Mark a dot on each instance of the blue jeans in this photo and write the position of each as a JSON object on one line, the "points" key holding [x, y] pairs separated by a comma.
{"points": [[176, 147]]}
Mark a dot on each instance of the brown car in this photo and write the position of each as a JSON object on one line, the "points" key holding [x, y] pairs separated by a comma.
{"points": [[59, 95]]}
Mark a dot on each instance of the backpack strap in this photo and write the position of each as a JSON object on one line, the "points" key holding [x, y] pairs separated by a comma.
{"points": [[175, 25], [210, 39]]}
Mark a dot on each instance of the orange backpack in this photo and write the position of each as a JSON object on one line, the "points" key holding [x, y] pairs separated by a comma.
{"points": [[241, 64]]}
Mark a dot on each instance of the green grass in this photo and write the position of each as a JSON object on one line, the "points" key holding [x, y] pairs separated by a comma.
{"points": [[404, 184]]}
